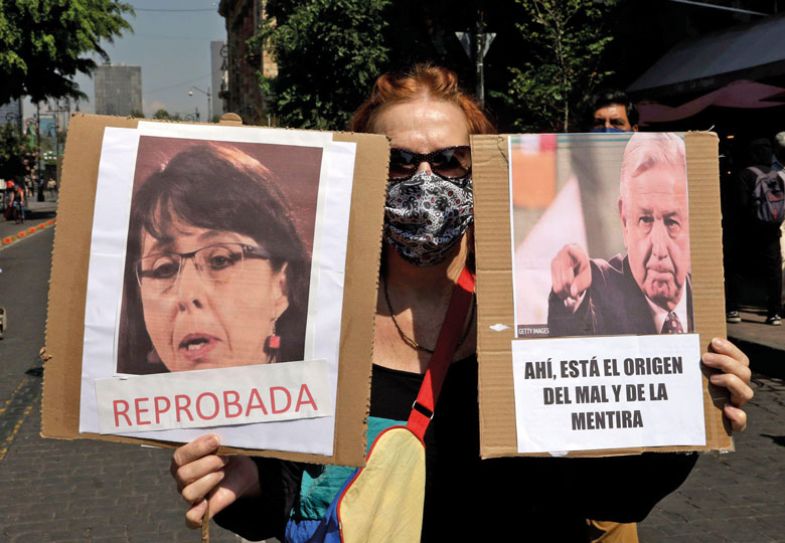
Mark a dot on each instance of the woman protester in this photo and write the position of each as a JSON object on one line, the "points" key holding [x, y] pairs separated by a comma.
{"points": [[216, 272], [428, 242]]}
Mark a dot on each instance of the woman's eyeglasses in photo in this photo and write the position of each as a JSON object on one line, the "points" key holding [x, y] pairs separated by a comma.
{"points": [[450, 163], [217, 263]]}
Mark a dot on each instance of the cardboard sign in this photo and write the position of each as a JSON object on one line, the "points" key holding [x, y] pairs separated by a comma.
{"points": [[599, 283], [213, 287]]}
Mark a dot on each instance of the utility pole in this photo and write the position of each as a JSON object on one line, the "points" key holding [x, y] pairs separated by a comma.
{"points": [[209, 99], [39, 158], [475, 45]]}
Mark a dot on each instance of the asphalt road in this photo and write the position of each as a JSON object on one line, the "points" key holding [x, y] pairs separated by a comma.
{"points": [[69, 491], [23, 291], [91, 491]]}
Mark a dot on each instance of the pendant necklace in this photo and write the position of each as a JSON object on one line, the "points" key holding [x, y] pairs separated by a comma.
{"points": [[411, 341]]}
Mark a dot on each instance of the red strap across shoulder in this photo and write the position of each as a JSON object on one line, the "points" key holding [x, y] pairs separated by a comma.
{"points": [[449, 335]]}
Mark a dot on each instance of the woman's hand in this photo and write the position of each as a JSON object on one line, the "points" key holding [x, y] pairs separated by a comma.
{"points": [[202, 476], [734, 375]]}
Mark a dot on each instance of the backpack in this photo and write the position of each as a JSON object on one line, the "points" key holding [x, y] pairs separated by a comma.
{"points": [[768, 196]]}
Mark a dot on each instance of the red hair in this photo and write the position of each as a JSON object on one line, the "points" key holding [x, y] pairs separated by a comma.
{"points": [[420, 81]]}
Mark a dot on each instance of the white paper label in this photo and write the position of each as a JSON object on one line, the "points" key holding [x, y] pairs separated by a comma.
{"points": [[191, 399], [590, 393]]}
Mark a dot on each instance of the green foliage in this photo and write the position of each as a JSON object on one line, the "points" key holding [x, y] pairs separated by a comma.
{"points": [[44, 43], [562, 68], [12, 152], [329, 52], [163, 115]]}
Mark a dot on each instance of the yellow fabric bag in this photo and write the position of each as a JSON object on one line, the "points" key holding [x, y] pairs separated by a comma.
{"points": [[383, 502]]}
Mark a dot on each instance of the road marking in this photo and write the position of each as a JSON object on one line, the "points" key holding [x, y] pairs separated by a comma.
{"points": [[17, 408], [30, 231], [19, 386]]}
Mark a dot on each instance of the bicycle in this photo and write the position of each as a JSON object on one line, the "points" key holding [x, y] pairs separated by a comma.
{"points": [[18, 213]]}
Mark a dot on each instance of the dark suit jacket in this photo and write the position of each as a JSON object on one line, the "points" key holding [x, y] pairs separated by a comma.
{"points": [[613, 305]]}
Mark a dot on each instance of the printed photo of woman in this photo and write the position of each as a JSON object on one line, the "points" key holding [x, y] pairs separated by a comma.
{"points": [[217, 273]]}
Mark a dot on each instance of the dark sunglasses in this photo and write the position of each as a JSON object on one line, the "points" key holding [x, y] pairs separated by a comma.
{"points": [[449, 163]]}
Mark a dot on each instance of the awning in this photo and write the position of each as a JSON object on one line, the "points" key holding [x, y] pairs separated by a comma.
{"points": [[754, 52], [742, 94]]}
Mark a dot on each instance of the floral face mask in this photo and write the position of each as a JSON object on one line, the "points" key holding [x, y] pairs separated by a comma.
{"points": [[426, 215]]}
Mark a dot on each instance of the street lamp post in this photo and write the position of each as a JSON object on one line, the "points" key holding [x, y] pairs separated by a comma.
{"points": [[209, 99], [476, 45], [39, 158]]}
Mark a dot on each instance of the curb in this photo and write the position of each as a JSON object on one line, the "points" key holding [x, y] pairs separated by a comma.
{"points": [[22, 234]]}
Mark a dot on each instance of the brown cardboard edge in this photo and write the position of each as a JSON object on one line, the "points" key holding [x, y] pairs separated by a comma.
{"points": [[68, 284], [68, 276], [496, 394], [360, 288]]}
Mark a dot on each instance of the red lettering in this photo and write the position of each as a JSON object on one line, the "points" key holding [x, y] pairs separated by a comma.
{"points": [[182, 402], [305, 393], [288, 396], [139, 410], [159, 410], [234, 402], [216, 405], [255, 402], [121, 413]]}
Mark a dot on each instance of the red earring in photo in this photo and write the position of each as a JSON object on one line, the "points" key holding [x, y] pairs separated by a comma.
{"points": [[272, 344]]}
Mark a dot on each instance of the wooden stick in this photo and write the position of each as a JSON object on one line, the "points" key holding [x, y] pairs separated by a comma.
{"points": [[206, 525]]}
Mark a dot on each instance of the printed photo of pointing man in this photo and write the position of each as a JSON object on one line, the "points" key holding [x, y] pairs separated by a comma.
{"points": [[640, 284]]}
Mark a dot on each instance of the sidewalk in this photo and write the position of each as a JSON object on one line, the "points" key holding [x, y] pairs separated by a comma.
{"points": [[737, 497], [764, 344]]}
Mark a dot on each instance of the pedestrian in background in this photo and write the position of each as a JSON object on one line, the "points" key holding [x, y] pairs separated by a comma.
{"points": [[779, 165], [779, 152], [17, 203], [760, 197], [613, 111], [2, 195]]}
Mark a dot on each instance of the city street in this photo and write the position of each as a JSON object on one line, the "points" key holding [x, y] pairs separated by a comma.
{"points": [[85, 491], [82, 490]]}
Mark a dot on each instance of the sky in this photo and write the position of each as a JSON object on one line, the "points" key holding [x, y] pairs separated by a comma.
{"points": [[172, 45]]}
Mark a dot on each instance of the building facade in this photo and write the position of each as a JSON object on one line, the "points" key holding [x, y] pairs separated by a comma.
{"points": [[218, 77], [11, 113], [118, 90], [243, 94]]}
